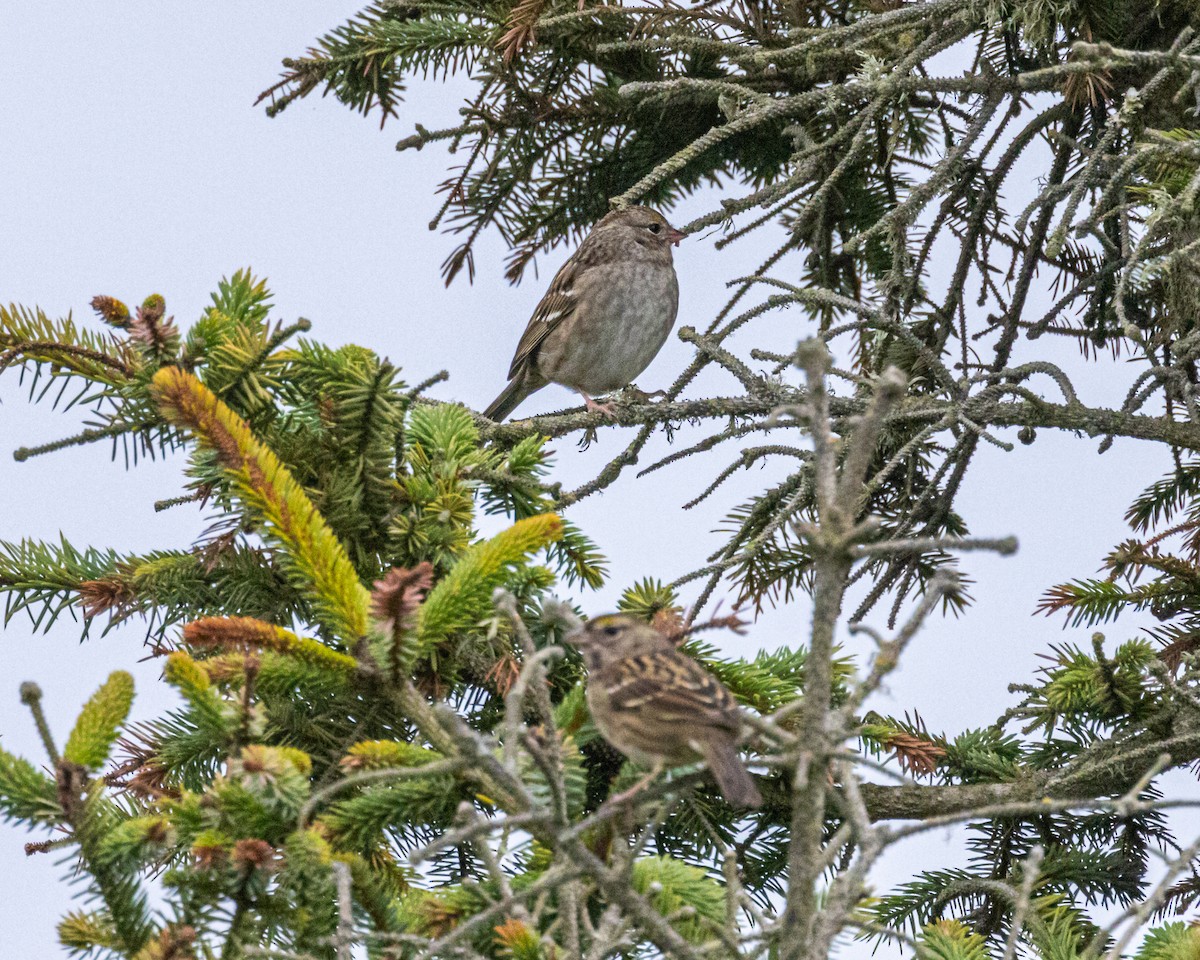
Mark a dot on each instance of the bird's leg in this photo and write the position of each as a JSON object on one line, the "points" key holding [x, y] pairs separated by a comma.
{"points": [[627, 795], [593, 407]]}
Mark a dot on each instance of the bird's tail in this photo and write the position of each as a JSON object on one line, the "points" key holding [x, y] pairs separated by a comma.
{"points": [[510, 398], [737, 786]]}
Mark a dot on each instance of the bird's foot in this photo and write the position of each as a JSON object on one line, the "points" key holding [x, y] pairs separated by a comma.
{"points": [[593, 407]]}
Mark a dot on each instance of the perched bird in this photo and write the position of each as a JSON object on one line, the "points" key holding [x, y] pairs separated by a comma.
{"points": [[658, 706], [606, 315]]}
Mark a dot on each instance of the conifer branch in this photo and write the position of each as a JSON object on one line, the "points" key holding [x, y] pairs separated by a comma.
{"points": [[268, 489], [1076, 418]]}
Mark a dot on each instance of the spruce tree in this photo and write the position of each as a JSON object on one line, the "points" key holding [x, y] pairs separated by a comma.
{"points": [[382, 742]]}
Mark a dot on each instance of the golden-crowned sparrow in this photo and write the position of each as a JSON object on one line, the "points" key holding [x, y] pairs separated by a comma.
{"points": [[657, 705], [606, 315]]}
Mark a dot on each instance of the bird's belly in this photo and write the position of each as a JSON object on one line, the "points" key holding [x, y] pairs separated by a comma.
{"points": [[638, 735], [628, 317]]}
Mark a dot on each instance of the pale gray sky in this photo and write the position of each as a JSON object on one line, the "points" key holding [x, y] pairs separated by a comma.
{"points": [[134, 162]]}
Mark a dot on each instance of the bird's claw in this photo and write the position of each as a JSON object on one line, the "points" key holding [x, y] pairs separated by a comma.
{"points": [[593, 407]]}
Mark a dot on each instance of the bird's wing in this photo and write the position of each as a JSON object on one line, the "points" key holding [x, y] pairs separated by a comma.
{"points": [[558, 303], [673, 686]]}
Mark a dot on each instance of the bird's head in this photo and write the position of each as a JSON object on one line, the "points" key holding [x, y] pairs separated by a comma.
{"points": [[643, 226], [617, 633]]}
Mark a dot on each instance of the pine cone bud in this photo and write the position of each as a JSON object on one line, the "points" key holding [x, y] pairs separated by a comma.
{"points": [[153, 308], [112, 311]]}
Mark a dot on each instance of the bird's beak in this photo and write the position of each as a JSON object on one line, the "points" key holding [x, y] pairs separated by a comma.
{"points": [[576, 637], [674, 236]]}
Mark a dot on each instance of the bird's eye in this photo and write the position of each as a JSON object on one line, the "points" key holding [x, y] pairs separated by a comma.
{"points": [[654, 227], [611, 631]]}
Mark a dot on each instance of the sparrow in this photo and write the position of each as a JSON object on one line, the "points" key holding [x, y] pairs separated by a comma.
{"points": [[606, 315], [660, 707]]}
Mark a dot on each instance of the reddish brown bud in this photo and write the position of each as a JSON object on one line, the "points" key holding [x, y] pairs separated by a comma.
{"points": [[396, 597], [253, 853]]}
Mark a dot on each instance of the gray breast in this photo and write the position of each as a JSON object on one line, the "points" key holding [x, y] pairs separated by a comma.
{"points": [[625, 312]]}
